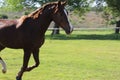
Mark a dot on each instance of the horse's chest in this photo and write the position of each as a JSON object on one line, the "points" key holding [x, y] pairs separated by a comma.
{"points": [[33, 40]]}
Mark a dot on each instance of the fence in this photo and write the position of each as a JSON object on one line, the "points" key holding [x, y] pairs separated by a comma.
{"points": [[78, 29]]}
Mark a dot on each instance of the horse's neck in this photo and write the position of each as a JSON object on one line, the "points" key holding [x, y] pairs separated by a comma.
{"points": [[39, 24], [44, 24], [43, 21], [39, 20]]}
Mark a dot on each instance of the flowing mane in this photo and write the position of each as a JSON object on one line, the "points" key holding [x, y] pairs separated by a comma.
{"points": [[36, 13]]}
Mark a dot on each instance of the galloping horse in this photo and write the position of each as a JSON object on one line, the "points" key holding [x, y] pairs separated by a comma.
{"points": [[28, 32]]}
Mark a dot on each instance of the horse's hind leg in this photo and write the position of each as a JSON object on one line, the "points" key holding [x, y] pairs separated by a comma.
{"points": [[4, 69]]}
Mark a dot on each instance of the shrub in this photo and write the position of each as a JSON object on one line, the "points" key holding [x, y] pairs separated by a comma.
{"points": [[3, 16], [26, 13]]}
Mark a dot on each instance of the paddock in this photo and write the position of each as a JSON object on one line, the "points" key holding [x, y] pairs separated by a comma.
{"points": [[83, 55]]}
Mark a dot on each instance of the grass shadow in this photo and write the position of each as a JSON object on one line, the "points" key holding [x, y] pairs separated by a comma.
{"points": [[85, 36]]}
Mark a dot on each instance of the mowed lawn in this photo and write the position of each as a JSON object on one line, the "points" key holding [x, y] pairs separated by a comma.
{"points": [[84, 55]]}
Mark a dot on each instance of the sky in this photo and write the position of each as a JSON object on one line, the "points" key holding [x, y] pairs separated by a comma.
{"points": [[94, 4]]}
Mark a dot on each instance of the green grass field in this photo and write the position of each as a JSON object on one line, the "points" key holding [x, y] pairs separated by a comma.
{"points": [[84, 55]]}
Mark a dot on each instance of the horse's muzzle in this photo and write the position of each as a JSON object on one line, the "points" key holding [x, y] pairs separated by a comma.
{"points": [[69, 30]]}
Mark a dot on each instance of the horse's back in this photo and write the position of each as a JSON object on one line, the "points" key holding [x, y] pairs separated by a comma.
{"points": [[6, 22], [7, 26]]}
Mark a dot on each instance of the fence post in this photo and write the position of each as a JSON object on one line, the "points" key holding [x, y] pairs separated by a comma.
{"points": [[117, 27], [55, 30]]}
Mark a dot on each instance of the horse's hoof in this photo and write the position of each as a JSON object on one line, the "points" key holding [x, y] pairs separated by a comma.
{"points": [[17, 78]]}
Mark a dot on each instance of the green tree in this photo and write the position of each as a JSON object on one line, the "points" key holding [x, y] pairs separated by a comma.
{"points": [[12, 4], [78, 6], [113, 9], [112, 6]]}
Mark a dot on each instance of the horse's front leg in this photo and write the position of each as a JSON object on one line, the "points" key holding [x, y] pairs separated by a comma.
{"points": [[36, 58], [26, 58]]}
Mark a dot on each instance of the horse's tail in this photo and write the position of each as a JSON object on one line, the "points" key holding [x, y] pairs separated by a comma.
{"points": [[4, 69]]}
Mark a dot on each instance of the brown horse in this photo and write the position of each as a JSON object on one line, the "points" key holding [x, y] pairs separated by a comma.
{"points": [[28, 32]]}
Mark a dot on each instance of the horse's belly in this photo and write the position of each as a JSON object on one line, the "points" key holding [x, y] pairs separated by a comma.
{"points": [[11, 44], [14, 46], [11, 41]]}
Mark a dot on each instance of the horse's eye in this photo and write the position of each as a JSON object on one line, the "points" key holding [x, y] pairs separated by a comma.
{"points": [[59, 14]]}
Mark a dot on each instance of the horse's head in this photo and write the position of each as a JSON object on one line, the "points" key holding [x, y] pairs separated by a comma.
{"points": [[60, 17]]}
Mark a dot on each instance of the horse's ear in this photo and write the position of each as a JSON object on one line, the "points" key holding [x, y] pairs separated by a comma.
{"points": [[64, 3], [59, 3]]}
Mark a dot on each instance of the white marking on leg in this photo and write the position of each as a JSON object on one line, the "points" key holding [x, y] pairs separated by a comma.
{"points": [[4, 69]]}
